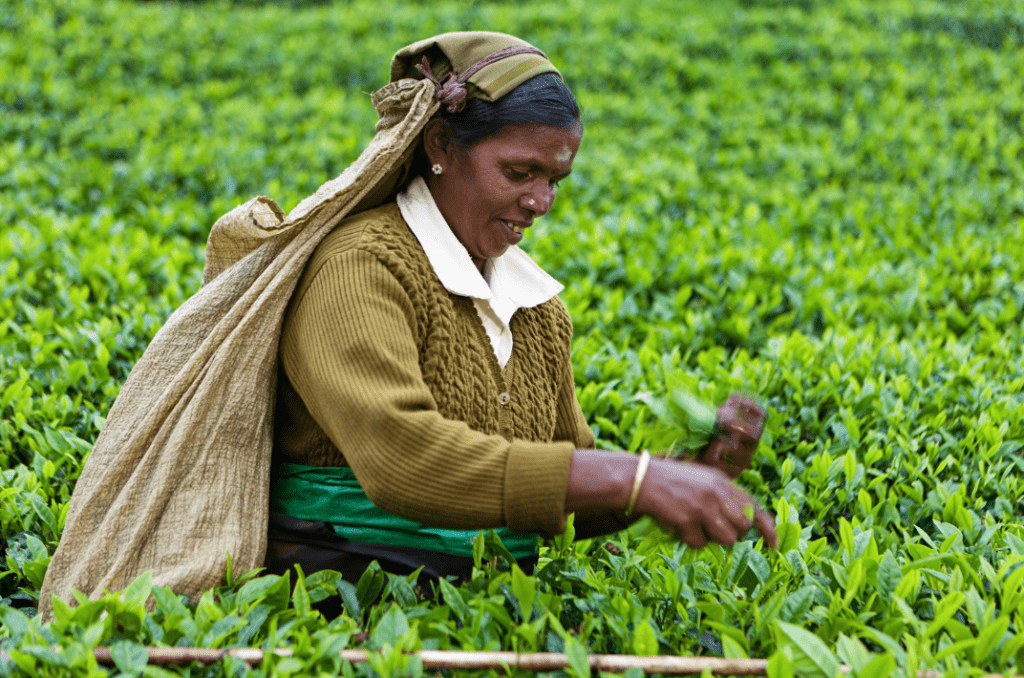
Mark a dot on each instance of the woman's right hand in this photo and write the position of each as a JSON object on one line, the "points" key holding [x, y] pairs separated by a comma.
{"points": [[699, 504]]}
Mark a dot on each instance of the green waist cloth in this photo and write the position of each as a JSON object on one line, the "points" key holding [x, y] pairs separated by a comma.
{"points": [[333, 495]]}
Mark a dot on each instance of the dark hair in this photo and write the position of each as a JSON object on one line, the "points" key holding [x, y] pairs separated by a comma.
{"points": [[542, 100]]}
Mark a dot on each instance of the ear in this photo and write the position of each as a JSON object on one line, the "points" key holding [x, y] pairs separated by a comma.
{"points": [[436, 142]]}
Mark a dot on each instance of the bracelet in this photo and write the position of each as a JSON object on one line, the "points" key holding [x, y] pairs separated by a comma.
{"points": [[638, 479]]}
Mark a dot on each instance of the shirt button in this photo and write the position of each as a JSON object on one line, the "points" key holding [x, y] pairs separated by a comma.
{"points": [[504, 399]]}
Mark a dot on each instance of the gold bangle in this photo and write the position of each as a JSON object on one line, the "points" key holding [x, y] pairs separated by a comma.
{"points": [[638, 479]]}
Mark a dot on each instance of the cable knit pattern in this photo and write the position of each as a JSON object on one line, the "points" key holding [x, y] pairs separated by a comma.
{"points": [[386, 371]]}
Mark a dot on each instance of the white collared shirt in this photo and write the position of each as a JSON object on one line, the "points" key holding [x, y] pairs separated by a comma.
{"points": [[510, 282]]}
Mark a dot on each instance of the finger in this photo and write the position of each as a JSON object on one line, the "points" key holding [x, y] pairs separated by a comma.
{"points": [[750, 408], [693, 537], [721, 531], [752, 416], [745, 431], [738, 508], [765, 523]]}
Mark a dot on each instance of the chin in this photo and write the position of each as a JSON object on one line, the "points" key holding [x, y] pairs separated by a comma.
{"points": [[495, 253]]}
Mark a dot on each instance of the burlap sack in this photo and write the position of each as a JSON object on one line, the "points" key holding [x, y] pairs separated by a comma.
{"points": [[179, 476]]}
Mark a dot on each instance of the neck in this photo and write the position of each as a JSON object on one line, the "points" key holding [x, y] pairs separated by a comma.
{"points": [[433, 183]]}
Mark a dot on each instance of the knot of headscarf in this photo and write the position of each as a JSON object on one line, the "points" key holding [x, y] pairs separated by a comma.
{"points": [[452, 90]]}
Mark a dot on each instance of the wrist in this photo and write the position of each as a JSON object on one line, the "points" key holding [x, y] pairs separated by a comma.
{"points": [[643, 463], [600, 479]]}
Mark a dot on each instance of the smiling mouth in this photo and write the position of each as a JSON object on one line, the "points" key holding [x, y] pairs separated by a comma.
{"points": [[515, 228]]}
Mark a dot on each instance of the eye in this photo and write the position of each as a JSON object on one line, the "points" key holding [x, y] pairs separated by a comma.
{"points": [[516, 175]]}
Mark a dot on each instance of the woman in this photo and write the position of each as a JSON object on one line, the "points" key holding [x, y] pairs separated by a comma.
{"points": [[421, 378], [426, 390]]}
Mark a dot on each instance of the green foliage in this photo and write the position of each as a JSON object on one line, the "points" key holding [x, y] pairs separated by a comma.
{"points": [[817, 203], [683, 421]]}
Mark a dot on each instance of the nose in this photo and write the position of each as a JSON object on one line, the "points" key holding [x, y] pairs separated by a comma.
{"points": [[538, 200]]}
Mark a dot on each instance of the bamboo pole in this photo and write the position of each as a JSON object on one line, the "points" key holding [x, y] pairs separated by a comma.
{"points": [[454, 659], [507, 661], [552, 661]]}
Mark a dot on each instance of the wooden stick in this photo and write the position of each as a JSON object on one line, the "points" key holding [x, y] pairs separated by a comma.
{"points": [[454, 659], [552, 661], [508, 661]]}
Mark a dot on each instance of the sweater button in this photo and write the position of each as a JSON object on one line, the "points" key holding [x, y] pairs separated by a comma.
{"points": [[504, 399]]}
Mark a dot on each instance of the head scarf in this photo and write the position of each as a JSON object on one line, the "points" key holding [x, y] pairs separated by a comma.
{"points": [[476, 54], [179, 476], [447, 54]]}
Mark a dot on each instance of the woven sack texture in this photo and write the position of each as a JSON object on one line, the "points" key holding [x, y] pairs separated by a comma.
{"points": [[179, 476]]}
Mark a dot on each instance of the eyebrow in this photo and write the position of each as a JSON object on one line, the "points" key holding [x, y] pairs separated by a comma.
{"points": [[534, 167]]}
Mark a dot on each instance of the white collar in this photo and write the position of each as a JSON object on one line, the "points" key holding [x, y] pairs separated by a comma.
{"points": [[516, 281]]}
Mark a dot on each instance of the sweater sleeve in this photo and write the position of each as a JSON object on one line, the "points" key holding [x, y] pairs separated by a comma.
{"points": [[349, 350]]}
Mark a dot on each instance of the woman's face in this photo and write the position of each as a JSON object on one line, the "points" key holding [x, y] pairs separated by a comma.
{"points": [[491, 192]]}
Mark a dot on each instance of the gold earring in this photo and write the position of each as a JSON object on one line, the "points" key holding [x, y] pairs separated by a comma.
{"points": [[437, 169]]}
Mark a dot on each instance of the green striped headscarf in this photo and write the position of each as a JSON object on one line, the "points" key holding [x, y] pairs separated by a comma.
{"points": [[462, 52]]}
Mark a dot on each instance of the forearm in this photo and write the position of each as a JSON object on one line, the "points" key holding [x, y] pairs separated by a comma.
{"points": [[599, 486], [600, 479]]}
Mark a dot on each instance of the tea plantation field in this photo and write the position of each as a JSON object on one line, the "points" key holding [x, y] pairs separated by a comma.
{"points": [[817, 202]]}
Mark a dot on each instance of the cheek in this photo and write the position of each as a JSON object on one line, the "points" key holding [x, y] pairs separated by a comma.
{"points": [[494, 192]]}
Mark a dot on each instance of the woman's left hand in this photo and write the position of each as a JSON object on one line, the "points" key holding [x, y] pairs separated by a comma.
{"points": [[740, 422]]}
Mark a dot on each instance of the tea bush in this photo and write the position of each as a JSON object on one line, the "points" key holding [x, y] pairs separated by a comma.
{"points": [[819, 203]]}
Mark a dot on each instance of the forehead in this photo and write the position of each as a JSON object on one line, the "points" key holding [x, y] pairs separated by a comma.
{"points": [[546, 146]]}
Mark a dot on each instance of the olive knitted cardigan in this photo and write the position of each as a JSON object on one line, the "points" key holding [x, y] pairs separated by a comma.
{"points": [[386, 371]]}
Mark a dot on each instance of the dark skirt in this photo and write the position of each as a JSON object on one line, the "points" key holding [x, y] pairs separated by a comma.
{"points": [[314, 547]]}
